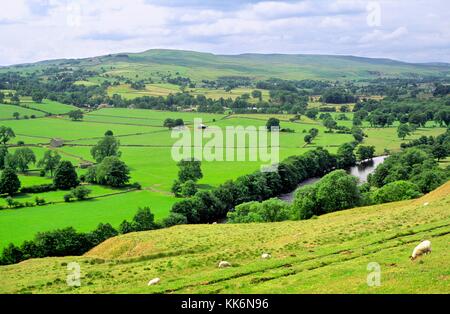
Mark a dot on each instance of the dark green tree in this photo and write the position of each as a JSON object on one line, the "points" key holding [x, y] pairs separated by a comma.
{"points": [[112, 172], [76, 115], [49, 161], [345, 156], [106, 147], [9, 182], [365, 152], [403, 131], [23, 157], [330, 124], [272, 123], [308, 139], [189, 169], [6, 133], [65, 176]]}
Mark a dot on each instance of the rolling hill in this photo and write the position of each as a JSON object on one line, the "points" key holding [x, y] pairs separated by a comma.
{"points": [[199, 66], [329, 254]]}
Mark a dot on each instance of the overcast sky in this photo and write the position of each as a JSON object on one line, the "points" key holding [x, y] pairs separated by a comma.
{"points": [[408, 30]]}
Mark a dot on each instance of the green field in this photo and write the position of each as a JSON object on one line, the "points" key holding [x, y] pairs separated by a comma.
{"points": [[146, 148], [330, 254], [165, 89], [6, 112], [47, 105]]}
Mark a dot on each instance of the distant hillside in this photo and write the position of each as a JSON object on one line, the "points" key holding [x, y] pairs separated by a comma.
{"points": [[200, 66], [329, 254]]}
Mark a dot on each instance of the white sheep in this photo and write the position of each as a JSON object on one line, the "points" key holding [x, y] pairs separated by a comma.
{"points": [[423, 248], [425, 204], [265, 256], [154, 281], [224, 264]]}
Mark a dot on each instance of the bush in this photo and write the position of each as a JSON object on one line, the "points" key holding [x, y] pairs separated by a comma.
{"points": [[268, 211], [68, 197], [396, 191], [125, 227], [39, 201], [80, 193], [335, 191], [143, 220], [136, 185], [428, 180], [176, 188], [174, 219], [102, 233], [188, 188], [42, 188]]}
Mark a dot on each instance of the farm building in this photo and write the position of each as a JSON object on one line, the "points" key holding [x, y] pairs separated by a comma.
{"points": [[57, 142], [85, 164]]}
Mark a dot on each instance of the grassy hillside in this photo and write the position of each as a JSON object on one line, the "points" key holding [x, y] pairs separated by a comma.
{"points": [[198, 66], [328, 255]]}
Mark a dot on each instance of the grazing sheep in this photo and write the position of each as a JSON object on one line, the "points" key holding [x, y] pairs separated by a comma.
{"points": [[154, 281], [224, 264], [266, 256], [423, 248], [425, 204]]}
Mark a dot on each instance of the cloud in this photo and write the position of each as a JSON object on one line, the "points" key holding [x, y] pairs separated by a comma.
{"points": [[33, 30], [14, 11], [378, 35]]}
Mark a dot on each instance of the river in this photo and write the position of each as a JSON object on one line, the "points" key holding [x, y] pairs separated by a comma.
{"points": [[361, 171]]}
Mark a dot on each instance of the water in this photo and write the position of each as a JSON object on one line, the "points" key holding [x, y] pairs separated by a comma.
{"points": [[361, 171]]}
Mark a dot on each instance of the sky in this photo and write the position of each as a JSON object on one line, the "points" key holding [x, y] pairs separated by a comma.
{"points": [[407, 30]]}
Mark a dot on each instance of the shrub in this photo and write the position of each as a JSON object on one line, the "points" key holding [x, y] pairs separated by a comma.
{"points": [[396, 191], [188, 188], [38, 188], [268, 211], [143, 220], [125, 227], [68, 197], [335, 191], [80, 192], [176, 188], [39, 201], [136, 185], [174, 219], [102, 233]]}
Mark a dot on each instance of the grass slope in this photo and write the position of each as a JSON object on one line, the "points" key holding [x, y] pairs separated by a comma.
{"points": [[325, 255]]}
